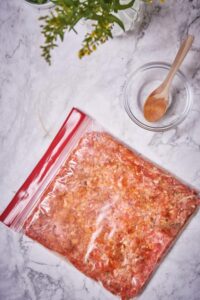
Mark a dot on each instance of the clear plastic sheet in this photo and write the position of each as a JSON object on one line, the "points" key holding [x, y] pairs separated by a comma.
{"points": [[107, 210]]}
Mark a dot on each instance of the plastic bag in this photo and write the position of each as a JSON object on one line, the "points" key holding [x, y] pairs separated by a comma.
{"points": [[110, 212]]}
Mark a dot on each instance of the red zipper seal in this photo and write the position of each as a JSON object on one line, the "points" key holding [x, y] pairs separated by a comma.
{"points": [[22, 198]]}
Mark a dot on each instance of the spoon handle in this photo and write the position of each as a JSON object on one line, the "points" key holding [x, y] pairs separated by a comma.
{"points": [[182, 52]]}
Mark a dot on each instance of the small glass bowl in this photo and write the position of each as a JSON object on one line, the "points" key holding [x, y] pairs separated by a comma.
{"points": [[45, 5], [142, 82]]}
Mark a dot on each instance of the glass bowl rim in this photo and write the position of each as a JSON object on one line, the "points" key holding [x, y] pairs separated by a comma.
{"points": [[186, 84], [45, 5]]}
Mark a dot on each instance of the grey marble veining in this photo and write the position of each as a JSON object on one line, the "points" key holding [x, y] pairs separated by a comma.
{"points": [[34, 101]]}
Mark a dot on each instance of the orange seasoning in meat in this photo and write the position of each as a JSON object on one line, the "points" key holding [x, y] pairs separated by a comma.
{"points": [[111, 213]]}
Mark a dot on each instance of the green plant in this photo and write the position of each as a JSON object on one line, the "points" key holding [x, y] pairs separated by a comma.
{"points": [[68, 13]]}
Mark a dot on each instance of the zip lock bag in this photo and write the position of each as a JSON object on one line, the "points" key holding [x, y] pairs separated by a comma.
{"points": [[110, 212]]}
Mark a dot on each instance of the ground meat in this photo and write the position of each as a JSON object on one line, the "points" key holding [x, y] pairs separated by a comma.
{"points": [[111, 213]]}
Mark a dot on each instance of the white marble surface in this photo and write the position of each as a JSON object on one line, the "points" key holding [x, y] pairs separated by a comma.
{"points": [[34, 101]]}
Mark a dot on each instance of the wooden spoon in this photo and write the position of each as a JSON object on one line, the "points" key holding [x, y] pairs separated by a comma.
{"points": [[157, 102]]}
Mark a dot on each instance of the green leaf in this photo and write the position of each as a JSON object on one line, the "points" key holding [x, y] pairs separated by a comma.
{"points": [[119, 6], [61, 34], [114, 19]]}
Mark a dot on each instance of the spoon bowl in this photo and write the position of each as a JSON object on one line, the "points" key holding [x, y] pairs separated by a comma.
{"points": [[155, 101]]}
